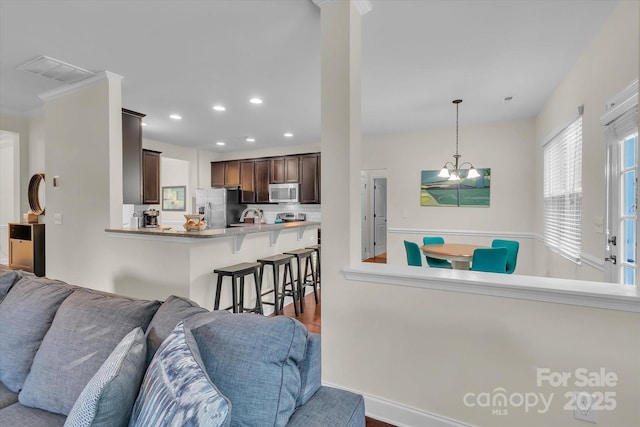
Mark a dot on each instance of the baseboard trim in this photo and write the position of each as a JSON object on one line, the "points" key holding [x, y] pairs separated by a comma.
{"points": [[400, 415]]}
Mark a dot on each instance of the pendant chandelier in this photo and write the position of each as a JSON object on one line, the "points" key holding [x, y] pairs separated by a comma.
{"points": [[452, 170]]}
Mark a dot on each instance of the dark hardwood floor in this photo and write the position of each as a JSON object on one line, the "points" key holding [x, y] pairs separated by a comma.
{"points": [[311, 319], [379, 259]]}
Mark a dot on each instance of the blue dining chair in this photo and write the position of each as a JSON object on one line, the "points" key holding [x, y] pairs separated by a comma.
{"points": [[491, 260], [512, 252], [435, 262], [414, 257]]}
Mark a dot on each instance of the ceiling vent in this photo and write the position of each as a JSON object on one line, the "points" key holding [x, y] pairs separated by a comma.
{"points": [[55, 69]]}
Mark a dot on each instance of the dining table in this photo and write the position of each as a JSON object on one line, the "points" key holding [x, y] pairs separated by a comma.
{"points": [[459, 254]]}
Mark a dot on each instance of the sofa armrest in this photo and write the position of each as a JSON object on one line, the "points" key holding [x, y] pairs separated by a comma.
{"points": [[330, 407]]}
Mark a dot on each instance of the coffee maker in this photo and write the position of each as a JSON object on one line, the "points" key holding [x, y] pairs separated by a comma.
{"points": [[151, 218]]}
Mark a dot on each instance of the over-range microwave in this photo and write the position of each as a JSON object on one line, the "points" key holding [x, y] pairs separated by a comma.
{"points": [[284, 193]]}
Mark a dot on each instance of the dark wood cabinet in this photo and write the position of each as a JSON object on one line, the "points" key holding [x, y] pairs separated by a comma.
{"points": [[284, 170], [247, 193], [26, 248], [309, 179], [131, 157], [262, 180], [253, 176], [150, 177], [217, 174], [291, 169], [277, 171], [232, 173]]}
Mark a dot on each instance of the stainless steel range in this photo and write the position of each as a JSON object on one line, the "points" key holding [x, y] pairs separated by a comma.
{"points": [[291, 216]]}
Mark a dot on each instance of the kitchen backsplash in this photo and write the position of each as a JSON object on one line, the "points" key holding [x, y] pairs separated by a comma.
{"points": [[270, 211]]}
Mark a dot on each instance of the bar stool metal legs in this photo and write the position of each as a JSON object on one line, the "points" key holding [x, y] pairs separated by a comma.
{"points": [[235, 272]]}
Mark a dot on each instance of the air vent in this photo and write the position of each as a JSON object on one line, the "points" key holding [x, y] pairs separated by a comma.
{"points": [[55, 69]]}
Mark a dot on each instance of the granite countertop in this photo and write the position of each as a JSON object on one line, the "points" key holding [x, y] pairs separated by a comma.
{"points": [[237, 230]]}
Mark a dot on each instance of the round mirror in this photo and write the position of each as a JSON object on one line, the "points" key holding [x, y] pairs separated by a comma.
{"points": [[36, 194]]}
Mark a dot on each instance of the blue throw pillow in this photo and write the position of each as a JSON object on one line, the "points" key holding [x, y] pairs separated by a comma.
{"points": [[108, 398], [176, 390], [255, 362]]}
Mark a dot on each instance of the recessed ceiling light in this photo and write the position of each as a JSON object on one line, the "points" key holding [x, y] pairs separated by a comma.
{"points": [[288, 135], [143, 124], [175, 117], [255, 101], [219, 108], [221, 143], [250, 140]]}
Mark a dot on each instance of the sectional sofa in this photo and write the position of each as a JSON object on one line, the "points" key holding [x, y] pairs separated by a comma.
{"points": [[74, 356]]}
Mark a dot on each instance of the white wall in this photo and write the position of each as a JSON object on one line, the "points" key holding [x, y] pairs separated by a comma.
{"points": [[20, 126], [267, 152], [608, 65], [502, 146], [175, 172], [423, 350], [84, 148]]}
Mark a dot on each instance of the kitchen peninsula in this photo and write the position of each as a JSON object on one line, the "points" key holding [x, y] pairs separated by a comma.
{"points": [[173, 261]]}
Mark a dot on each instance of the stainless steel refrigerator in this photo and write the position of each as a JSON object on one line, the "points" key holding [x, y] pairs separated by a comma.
{"points": [[220, 206]]}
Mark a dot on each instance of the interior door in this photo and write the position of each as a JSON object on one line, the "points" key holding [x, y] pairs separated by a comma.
{"points": [[622, 177], [379, 216], [363, 217]]}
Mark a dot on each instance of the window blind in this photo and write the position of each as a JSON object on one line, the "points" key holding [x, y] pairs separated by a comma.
{"points": [[563, 191]]}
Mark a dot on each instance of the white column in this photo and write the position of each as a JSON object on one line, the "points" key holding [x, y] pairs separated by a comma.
{"points": [[83, 127], [341, 165]]}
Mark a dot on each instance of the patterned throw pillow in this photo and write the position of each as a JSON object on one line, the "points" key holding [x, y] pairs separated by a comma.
{"points": [[108, 398], [176, 390]]}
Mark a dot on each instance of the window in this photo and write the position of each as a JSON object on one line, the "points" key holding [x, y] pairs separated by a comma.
{"points": [[621, 130], [563, 191]]}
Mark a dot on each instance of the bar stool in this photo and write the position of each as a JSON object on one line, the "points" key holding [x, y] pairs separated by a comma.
{"points": [[238, 271], [278, 297], [304, 255], [316, 249]]}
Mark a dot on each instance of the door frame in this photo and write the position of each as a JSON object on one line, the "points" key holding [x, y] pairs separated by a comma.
{"points": [[370, 175]]}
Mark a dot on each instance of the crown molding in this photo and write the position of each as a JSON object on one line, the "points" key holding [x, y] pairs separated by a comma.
{"points": [[66, 89], [363, 6]]}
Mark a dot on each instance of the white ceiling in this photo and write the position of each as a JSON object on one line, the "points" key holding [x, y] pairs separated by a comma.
{"points": [[185, 56]]}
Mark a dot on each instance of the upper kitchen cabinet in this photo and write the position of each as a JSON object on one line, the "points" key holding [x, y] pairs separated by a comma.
{"points": [[247, 181], [310, 178], [284, 169], [150, 177], [262, 167], [225, 173], [232, 173], [131, 157], [253, 176], [217, 174]]}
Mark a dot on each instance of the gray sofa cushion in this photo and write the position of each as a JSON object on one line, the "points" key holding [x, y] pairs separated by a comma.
{"points": [[7, 280], [108, 398], [253, 360], [86, 329], [310, 370], [19, 415], [330, 407], [174, 310], [25, 315], [7, 397], [177, 391]]}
